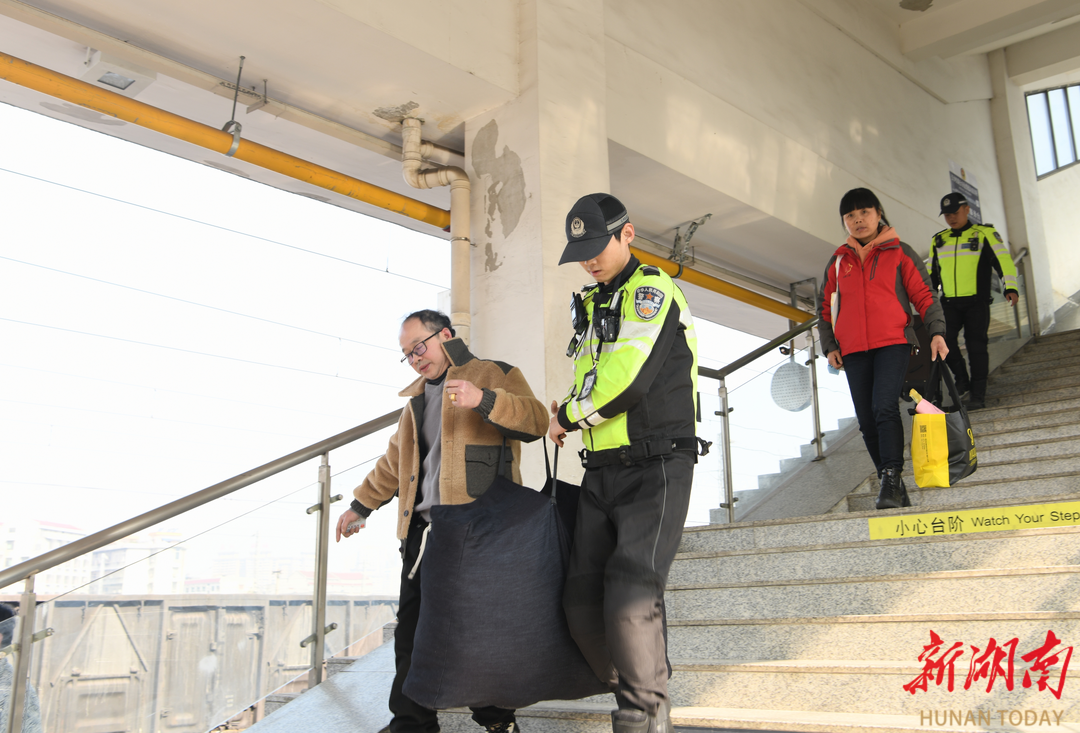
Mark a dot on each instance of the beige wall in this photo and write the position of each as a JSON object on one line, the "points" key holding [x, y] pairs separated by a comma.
{"points": [[774, 105], [1059, 194]]}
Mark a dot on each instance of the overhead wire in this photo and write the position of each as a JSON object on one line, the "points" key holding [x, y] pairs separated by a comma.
{"points": [[220, 227], [200, 305], [167, 391], [200, 353]]}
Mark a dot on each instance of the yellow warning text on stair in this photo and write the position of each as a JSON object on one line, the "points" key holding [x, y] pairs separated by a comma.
{"points": [[996, 519]]}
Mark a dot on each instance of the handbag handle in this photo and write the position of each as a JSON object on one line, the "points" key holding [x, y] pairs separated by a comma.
{"points": [[939, 372]]}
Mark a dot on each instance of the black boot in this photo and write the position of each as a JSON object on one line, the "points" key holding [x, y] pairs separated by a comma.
{"points": [[905, 500], [630, 720], [977, 401], [892, 490]]}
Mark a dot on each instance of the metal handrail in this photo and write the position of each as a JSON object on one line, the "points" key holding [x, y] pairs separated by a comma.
{"points": [[758, 352], [129, 527], [721, 376]]}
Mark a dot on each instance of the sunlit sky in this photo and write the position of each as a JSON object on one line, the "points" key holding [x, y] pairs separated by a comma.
{"points": [[165, 326]]}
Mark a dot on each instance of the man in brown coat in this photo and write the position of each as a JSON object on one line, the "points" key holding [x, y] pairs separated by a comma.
{"points": [[446, 451]]}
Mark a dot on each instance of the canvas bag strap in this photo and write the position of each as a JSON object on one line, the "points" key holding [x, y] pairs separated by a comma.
{"points": [[938, 372], [551, 474]]}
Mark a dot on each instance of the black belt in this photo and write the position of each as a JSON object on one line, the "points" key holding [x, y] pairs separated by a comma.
{"points": [[628, 455]]}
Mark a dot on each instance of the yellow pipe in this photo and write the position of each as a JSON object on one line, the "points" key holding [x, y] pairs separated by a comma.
{"points": [[724, 288], [116, 105]]}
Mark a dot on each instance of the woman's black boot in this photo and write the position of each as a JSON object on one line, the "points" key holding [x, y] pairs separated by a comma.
{"points": [[905, 500], [892, 490]]}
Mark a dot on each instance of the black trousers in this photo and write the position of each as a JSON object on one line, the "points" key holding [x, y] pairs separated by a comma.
{"points": [[410, 717], [972, 316], [875, 378], [629, 524]]}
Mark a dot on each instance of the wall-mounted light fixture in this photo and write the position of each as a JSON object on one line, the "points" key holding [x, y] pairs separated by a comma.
{"points": [[116, 74]]}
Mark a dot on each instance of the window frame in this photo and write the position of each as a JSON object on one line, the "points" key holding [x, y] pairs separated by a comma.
{"points": [[1069, 125]]}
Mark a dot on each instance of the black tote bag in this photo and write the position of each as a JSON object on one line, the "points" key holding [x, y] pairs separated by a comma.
{"points": [[492, 629]]}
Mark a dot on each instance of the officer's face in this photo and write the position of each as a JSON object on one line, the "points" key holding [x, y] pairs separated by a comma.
{"points": [[434, 361], [605, 266], [959, 218], [862, 224]]}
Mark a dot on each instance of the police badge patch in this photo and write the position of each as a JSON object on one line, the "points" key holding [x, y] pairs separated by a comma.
{"points": [[577, 227], [647, 302]]}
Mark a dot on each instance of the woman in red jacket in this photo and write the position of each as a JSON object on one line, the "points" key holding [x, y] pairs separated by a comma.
{"points": [[866, 329]]}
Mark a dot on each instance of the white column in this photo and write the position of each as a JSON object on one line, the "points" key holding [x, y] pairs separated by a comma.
{"points": [[1023, 210], [529, 161]]}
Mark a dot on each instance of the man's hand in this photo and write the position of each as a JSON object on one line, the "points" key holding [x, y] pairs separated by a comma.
{"points": [[835, 360], [348, 517], [938, 349], [464, 393], [556, 432], [1012, 298]]}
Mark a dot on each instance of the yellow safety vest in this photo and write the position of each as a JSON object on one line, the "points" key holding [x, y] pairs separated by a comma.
{"points": [[619, 396], [956, 259]]}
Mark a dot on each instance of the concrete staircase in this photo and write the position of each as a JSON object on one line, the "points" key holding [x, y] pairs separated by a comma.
{"points": [[806, 624], [748, 501]]}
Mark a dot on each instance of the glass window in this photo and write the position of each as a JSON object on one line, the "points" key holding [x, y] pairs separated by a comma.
{"points": [[1042, 138], [1059, 120]]}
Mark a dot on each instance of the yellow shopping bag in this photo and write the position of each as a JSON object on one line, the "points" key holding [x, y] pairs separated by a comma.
{"points": [[942, 445]]}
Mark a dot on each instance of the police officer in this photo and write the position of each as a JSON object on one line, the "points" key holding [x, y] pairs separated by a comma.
{"points": [[962, 257], [633, 398]]}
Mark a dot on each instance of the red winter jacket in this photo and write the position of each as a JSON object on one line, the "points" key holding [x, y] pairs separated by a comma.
{"points": [[872, 303]]}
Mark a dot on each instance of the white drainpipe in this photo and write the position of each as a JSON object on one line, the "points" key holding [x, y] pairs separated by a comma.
{"points": [[412, 157]]}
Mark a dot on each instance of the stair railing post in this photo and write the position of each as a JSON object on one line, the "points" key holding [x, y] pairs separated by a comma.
{"points": [[819, 437], [729, 481], [322, 553], [21, 682]]}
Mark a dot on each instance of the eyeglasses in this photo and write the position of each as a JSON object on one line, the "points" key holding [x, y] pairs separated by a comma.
{"points": [[419, 350]]}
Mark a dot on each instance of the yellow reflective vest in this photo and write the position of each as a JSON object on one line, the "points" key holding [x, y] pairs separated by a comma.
{"points": [[962, 261], [643, 385]]}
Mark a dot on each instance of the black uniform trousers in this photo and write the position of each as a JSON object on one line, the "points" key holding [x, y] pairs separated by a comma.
{"points": [[972, 316], [409, 717], [629, 523]]}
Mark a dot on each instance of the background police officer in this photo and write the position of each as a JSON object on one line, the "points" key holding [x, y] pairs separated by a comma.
{"points": [[963, 256], [635, 376]]}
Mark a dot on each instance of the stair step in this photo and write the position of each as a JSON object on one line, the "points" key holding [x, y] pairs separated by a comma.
{"points": [[1041, 382], [578, 717], [983, 422], [981, 591], [1073, 334], [1020, 469], [868, 638], [1035, 395], [1012, 446], [1045, 345], [1049, 447], [1047, 547], [1040, 489], [836, 528], [845, 686], [1001, 378], [998, 432], [1027, 410]]}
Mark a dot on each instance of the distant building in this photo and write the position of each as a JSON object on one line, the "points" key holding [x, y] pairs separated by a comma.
{"points": [[193, 586], [146, 565], [22, 539]]}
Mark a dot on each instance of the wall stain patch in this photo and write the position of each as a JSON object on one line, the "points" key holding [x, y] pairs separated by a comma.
{"points": [[396, 114], [506, 190], [491, 261]]}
